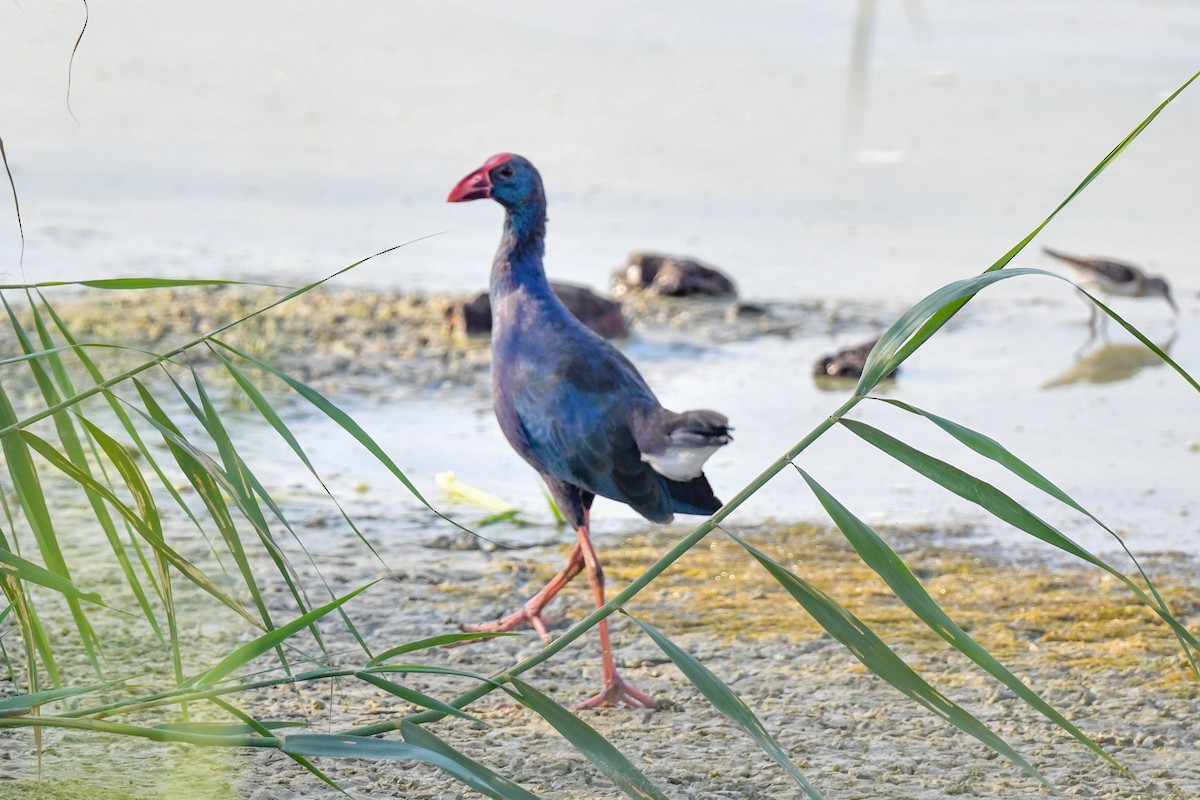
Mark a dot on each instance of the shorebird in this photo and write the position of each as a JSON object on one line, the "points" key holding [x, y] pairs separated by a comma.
{"points": [[576, 409], [1114, 278]]}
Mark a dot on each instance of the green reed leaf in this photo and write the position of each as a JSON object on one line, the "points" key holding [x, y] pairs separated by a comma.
{"points": [[440, 640], [25, 570], [1003, 507], [876, 553], [25, 703], [868, 648], [724, 700], [268, 641], [503, 787], [477, 777], [419, 699], [586, 740]]}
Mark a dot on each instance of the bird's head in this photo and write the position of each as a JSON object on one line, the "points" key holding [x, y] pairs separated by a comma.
{"points": [[508, 179], [1157, 287]]}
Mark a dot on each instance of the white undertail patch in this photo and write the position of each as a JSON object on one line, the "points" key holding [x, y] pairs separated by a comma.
{"points": [[680, 463]]}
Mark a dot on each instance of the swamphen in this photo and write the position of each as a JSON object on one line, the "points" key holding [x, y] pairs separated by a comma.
{"points": [[576, 409]]}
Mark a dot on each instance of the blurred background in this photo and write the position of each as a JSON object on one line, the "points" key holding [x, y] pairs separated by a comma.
{"points": [[867, 151]]}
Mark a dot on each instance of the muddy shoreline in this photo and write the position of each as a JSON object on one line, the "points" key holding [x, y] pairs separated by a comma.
{"points": [[355, 339], [1077, 638]]}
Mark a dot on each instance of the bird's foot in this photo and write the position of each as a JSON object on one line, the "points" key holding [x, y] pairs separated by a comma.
{"points": [[526, 615], [617, 691]]}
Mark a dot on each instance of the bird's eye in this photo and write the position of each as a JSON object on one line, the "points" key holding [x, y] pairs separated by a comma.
{"points": [[504, 171]]}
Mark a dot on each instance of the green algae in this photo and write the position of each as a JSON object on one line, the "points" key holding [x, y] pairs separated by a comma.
{"points": [[1077, 618]]}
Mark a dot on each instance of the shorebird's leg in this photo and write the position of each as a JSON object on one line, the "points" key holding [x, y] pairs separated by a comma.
{"points": [[1091, 336], [1091, 308], [615, 689], [1103, 322], [1093, 319], [531, 612]]}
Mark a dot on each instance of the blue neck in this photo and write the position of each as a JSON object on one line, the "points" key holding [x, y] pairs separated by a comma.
{"points": [[518, 261]]}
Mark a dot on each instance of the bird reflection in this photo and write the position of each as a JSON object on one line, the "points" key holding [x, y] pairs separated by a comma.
{"points": [[1111, 363]]}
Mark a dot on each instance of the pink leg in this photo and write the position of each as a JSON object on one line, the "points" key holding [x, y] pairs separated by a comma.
{"points": [[615, 689], [531, 612]]}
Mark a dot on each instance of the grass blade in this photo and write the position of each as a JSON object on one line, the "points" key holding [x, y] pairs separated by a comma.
{"points": [[876, 553], [923, 320], [25, 570], [1141, 337], [20, 603], [991, 449], [28, 488], [268, 641], [503, 787], [873, 371], [7, 427], [724, 700], [598, 750], [205, 477], [153, 734], [74, 347], [122, 415], [868, 648], [914, 327], [228, 728], [413, 696], [236, 481], [265, 728], [137, 283], [332, 745], [151, 535], [335, 413], [24, 703], [1003, 507], [73, 446], [272, 417], [434, 641]]}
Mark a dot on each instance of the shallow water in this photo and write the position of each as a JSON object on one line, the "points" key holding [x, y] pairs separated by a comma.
{"points": [[283, 141], [990, 371]]}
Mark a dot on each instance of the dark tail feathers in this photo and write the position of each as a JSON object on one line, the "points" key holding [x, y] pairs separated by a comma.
{"points": [[699, 428], [692, 497]]}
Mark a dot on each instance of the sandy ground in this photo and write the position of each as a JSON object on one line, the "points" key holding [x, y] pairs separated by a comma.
{"points": [[1077, 639]]}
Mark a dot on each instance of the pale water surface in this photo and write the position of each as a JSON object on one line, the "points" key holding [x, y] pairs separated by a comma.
{"points": [[282, 141]]}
